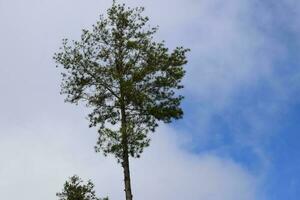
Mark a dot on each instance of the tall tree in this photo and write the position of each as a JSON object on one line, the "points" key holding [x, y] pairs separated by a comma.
{"points": [[127, 79], [75, 189]]}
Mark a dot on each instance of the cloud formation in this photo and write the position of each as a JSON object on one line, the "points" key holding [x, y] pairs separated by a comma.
{"points": [[43, 140], [38, 164]]}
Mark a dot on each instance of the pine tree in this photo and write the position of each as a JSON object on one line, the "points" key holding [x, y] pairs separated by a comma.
{"points": [[128, 80], [75, 189]]}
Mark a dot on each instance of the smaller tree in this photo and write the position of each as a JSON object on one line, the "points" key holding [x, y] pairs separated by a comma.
{"points": [[75, 189]]}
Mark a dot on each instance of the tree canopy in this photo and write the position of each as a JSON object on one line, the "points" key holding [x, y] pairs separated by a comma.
{"points": [[75, 189]]}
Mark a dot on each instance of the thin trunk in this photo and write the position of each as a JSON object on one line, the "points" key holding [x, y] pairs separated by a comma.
{"points": [[126, 171], [125, 161]]}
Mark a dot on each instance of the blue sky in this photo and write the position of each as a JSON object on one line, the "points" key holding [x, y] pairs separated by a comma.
{"points": [[238, 139], [272, 103]]}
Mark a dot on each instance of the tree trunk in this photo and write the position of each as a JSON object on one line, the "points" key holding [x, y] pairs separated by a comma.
{"points": [[127, 183], [125, 159]]}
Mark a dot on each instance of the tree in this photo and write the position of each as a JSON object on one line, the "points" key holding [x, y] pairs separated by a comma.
{"points": [[75, 189], [128, 80]]}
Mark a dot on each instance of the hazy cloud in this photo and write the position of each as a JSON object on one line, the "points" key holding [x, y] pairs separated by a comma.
{"points": [[43, 140]]}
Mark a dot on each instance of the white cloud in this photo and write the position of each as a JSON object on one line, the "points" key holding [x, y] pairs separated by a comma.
{"points": [[34, 166], [168, 172], [42, 140]]}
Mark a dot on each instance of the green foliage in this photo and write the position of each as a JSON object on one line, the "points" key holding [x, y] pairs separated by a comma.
{"points": [[75, 189], [128, 80]]}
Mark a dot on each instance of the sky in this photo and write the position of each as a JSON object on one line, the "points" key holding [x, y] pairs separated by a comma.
{"points": [[238, 139]]}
